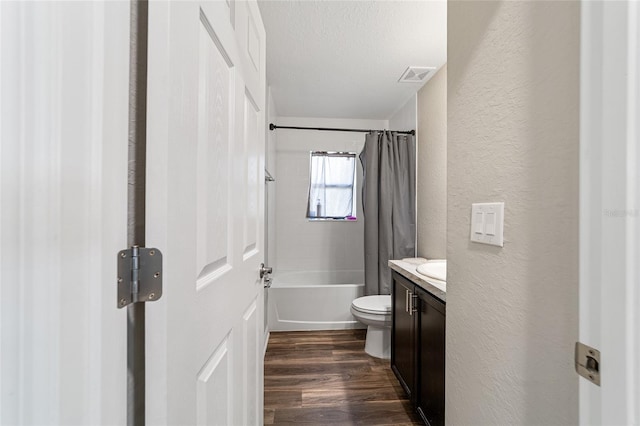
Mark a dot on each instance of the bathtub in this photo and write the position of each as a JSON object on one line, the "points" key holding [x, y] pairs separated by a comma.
{"points": [[313, 300]]}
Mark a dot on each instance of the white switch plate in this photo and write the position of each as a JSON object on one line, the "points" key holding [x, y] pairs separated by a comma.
{"points": [[487, 223]]}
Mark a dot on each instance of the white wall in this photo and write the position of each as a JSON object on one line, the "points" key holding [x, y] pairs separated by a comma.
{"points": [[406, 117], [513, 136], [301, 244], [270, 202], [432, 167], [271, 187]]}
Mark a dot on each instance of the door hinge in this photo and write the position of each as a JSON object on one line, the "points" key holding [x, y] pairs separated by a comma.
{"points": [[139, 275], [587, 361]]}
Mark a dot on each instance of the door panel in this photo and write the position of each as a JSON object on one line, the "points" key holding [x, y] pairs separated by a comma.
{"points": [[204, 185], [214, 388], [251, 344], [250, 38], [215, 111], [252, 152]]}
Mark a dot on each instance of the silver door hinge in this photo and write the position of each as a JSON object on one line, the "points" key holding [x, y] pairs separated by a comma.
{"points": [[139, 275], [587, 361]]}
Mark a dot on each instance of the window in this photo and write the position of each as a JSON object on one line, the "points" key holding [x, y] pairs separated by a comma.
{"points": [[332, 186]]}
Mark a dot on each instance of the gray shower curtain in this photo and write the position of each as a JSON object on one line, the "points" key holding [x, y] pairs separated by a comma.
{"points": [[388, 196]]}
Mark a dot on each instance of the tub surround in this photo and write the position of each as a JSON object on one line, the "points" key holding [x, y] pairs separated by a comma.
{"points": [[301, 244], [407, 268], [314, 300]]}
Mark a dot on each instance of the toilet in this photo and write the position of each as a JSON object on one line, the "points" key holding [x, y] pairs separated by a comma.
{"points": [[375, 313]]}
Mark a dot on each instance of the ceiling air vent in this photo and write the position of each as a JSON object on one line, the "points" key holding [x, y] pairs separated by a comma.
{"points": [[415, 74]]}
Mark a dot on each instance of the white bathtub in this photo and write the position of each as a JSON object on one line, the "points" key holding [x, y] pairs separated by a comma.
{"points": [[314, 300]]}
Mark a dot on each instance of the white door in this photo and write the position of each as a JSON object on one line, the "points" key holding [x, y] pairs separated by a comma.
{"points": [[205, 188], [64, 86], [610, 209]]}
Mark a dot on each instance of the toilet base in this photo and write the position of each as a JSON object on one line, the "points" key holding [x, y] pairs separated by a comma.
{"points": [[378, 342]]}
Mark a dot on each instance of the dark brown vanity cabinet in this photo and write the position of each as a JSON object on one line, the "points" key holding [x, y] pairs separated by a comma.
{"points": [[418, 347], [403, 335], [430, 354]]}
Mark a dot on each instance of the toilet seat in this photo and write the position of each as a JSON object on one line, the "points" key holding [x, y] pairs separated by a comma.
{"points": [[376, 305]]}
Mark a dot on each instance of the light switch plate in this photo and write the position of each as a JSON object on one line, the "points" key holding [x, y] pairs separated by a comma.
{"points": [[487, 223]]}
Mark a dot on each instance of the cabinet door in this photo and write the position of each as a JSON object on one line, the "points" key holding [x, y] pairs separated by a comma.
{"points": [[403, 336], [431, 352]]}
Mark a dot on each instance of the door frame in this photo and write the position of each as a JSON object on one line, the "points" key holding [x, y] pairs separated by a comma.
{"points": [[609, 298]]}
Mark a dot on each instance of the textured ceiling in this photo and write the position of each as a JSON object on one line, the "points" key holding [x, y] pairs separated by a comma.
{"points": [[343, 59]]}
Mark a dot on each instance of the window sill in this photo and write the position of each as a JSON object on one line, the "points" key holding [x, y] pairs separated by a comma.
{"points": [[328, 219]]}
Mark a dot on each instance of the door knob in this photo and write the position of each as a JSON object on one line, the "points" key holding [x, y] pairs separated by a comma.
{"points": [[265, 270]]}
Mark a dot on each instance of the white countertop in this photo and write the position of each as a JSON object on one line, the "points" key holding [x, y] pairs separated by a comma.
{"points": [[407, 268]]}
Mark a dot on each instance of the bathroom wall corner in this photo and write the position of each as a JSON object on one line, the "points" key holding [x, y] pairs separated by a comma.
{"points": [[431, 187]]}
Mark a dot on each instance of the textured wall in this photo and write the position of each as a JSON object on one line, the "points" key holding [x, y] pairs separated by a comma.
{"points": [[512, 312], [302, 244], [432, 167]]}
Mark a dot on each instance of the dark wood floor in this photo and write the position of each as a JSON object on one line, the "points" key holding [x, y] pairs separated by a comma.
{"points": [[326, 378]]}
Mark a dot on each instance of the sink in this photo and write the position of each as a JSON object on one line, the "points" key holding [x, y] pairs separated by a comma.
{"points": [[435, 269]]}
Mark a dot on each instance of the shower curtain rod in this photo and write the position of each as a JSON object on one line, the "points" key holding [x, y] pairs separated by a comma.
{"points": [[330, 129]]}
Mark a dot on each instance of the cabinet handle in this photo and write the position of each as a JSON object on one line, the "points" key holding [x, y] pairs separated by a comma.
{"points": [[410, 303], [413, 305], [406, 300]]}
